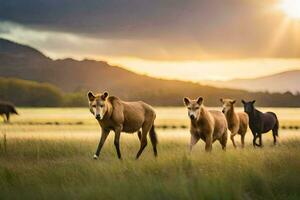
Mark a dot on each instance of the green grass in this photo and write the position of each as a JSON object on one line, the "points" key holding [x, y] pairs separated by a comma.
{"points": [[62, 168], [55, 162]]}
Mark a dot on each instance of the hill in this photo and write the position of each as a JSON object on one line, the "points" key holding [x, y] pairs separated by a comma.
{"points": [[24, 62], [281, 82]]}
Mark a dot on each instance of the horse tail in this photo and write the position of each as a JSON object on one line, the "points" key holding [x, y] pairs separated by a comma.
{"points": [[276, 127], [153, 138]]}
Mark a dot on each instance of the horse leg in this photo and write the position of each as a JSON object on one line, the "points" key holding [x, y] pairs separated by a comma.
{"points": [[243, 140], [223, 140], [275, 139], [7, 117], [139, 135], [145, 131], [117, 142], [194, 141], [275, 135], [260, 140], [143, 144], [153, 139], [232, 139], [104, 135], [208, 143], [254, 139]]}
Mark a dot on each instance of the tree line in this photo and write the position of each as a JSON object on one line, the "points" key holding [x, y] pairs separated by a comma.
{"points": [[34, 94], [27, 93]]}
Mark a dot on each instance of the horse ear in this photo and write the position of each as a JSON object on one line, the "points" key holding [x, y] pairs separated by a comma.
{"points": [[253, 102], [233, 102], [186, 101], [104, 95], [91, 96], [200, 100], [243, 102]]}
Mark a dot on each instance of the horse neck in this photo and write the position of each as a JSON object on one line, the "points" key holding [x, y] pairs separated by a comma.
{"points": [[200, 117], [109, 110], [254, 114], [203, 117], [230, 115]]}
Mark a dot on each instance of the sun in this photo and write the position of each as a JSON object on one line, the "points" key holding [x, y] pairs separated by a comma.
{"points": [[291, 8]]}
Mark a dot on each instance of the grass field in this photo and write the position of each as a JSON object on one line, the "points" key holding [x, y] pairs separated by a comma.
{"points": [[54, 161]]}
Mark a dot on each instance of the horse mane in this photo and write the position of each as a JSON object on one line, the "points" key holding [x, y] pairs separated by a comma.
{"points": [[111, 99], [257, 111]]}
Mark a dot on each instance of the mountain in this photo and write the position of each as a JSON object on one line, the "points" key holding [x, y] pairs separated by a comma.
{"points": [[281, 82], [23, 62], [9, 48]]}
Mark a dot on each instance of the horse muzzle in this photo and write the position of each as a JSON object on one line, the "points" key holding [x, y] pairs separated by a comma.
{"points": [[192, 117], [98, 117]]}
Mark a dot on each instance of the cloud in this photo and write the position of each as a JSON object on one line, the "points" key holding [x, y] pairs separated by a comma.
{"points": [[158, 29]]}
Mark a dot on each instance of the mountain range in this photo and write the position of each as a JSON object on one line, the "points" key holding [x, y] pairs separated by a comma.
{"points": [[280, 82], [25, 62]]}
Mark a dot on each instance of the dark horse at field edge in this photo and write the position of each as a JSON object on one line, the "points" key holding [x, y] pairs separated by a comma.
{"points": [[6, 109], [261, 123]]}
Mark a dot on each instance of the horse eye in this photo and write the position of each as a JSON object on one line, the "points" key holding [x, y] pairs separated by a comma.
{"points": [[94, 106], [189, 108], [101, 106], [197, 108]]}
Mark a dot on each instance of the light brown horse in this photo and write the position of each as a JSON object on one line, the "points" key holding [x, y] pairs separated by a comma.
{"points": [[208, 125], [238, 122], [120, 116]]}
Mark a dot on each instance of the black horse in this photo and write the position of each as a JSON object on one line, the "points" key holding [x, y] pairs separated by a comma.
{"points": [[261, 123], [6, 109]]}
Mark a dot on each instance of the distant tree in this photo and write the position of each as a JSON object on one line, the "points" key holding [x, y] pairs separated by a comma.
{"points": [[77, 99], [29, 93]]}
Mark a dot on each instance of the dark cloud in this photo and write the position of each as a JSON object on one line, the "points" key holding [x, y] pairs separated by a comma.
{"points": [[164, 29]]}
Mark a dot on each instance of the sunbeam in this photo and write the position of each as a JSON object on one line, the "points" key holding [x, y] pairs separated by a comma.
{"points": [[291, 8]]}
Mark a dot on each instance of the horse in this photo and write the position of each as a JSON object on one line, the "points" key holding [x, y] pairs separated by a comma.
{"points": [[261, 123], [237, 121], [208, 125], [116, 115], [6, 109]]}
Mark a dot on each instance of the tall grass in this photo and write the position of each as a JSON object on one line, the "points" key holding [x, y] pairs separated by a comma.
{"points": [[55, 162], [63, 169]]}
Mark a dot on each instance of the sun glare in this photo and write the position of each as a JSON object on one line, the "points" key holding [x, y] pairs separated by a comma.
{"points": [[291, 8]]}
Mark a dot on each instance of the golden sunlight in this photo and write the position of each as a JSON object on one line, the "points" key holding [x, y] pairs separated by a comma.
{"points": [[291, 8]]}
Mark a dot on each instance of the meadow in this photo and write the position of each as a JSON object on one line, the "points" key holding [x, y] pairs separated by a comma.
{"points": [[46, 153]]}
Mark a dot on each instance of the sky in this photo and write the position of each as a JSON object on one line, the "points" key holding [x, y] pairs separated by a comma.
{"points": [[189, 40]]}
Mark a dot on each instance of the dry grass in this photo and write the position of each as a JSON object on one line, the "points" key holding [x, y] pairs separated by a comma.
{"points": [[55, 162]]}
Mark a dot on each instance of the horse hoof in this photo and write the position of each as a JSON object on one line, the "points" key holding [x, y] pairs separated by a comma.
{"points": [[95, 157]]}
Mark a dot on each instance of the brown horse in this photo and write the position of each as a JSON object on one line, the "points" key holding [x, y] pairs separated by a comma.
{"points": [[208, 125], [237, 121], [120, 116]]}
